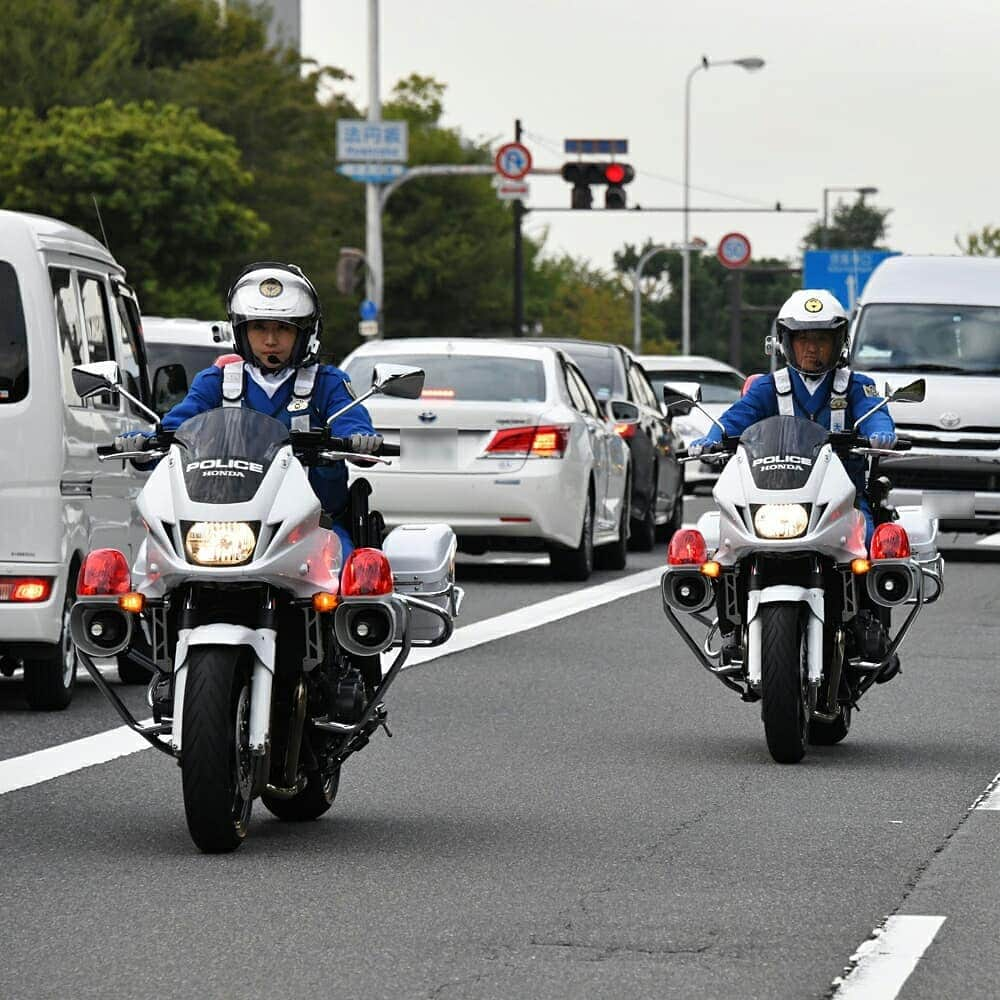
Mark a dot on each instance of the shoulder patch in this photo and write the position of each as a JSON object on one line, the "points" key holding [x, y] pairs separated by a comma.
{"points": [[871, 390]]}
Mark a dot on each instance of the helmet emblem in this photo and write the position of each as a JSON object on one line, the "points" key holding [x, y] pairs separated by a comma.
{"points": [[270, 288], [813, 306], [949, 419]]}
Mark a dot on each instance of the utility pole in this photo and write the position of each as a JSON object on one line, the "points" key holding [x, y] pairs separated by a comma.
{"points": [[518, 255], [373, 201]]}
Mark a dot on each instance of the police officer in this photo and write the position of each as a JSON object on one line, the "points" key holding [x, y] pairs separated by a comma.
{"points": [[277, 323]]}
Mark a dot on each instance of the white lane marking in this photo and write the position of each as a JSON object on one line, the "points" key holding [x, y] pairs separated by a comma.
{"points": [[884, 962], [990, 799], [990, 540], [43, 765]]}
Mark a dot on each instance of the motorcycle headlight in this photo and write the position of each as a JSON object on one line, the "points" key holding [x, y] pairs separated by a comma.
{"points": [[781, 520], [220, 543]]}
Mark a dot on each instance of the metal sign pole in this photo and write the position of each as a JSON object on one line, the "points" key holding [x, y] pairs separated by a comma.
{"points": [[373, 202]]}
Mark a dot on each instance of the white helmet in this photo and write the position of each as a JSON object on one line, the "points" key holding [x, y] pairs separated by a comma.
{"points": [[269, 290], [812, 310]]}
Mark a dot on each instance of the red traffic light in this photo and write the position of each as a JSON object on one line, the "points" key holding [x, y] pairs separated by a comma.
{"points": [[614, 173]]}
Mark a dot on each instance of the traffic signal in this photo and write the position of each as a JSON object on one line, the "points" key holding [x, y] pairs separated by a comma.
{"points": [[582, 175]]}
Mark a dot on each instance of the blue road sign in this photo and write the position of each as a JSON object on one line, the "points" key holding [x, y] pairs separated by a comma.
{"points": [[595, 147], [841, 272], [368, 309], [372, 173]]}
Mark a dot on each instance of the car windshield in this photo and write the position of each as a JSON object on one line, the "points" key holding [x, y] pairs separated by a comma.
{"points": [[13, 339], [226, 452], [960, 339], [469, 378], [716, 387]]}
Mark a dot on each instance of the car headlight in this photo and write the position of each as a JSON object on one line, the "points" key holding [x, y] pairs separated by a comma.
{"points": [[781, 520], [220, 543]]}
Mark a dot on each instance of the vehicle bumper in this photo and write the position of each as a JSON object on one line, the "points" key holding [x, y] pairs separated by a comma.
{"points": [[33, 623]]}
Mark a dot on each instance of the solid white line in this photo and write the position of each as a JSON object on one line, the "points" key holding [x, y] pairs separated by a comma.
{"points": [[43, 765], [990, 799], [884, 962]]}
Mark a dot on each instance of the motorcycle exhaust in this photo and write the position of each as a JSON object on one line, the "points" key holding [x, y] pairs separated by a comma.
{"points": [[100, 628], [687, 591], [365, 627], [891, 584]]}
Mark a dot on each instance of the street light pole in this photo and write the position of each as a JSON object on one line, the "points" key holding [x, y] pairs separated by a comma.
{"points": [[750, 63], [637, 297], [373, 201]]}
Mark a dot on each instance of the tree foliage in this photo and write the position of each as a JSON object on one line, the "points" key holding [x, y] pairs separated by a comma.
{"points": [[985, 243], [855, 226], [167, 184]]}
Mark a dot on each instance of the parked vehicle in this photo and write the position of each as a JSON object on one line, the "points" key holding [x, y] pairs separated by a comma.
{"points": [[264, 642], [194, 344], [939, 317], [612, 371], [508, 445], [720, 387], [783, 561], [65, 302]]}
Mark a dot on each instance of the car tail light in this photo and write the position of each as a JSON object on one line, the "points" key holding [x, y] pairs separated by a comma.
{"points": [[437, 394], [890, 541], [625, 431], [25, 589], [104, 572], [687, 548], [366, 574], [548, 441]]}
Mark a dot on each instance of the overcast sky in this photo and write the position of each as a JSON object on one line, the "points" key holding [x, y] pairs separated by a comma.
{"points": [[901, 96]]}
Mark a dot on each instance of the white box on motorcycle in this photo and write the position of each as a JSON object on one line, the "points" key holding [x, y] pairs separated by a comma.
{"points": [[422, 557]]}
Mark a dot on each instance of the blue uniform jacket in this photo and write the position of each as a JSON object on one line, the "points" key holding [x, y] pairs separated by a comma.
{"points": [[330, 393]]}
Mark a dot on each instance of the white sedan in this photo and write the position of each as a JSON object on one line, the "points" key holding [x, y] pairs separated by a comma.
{"points": [[508, 445]]}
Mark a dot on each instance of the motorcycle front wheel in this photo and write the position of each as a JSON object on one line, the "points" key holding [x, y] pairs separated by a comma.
{"points": [[784, 683], [216, 765]]}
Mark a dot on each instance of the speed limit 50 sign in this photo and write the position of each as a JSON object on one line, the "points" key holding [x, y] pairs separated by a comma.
{"points": [[734, 250]]}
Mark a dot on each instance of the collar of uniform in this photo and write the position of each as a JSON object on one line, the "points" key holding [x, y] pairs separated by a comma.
{"points": [[812, 400], [270, 383]]}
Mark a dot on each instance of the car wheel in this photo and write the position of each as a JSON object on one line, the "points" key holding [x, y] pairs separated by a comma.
{"points": [[50, 675], [576, 563], [665, 532], [615, 555], [643, 536]]}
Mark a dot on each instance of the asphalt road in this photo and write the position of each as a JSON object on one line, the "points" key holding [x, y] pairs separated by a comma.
{"points": [[571, 810]]}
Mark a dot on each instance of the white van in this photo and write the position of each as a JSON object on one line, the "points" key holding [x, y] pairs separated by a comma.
{"points": [[193, 343], [63, 302], [939, 317]]}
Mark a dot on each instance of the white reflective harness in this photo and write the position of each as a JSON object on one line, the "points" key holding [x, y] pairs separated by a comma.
{"points": [[233, 392], [838, 396]]}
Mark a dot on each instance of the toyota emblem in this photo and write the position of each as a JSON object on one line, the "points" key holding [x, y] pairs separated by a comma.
{"points": [[427, 417], [949, 419]]}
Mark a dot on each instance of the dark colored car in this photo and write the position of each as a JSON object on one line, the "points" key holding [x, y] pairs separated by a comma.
{"points": [[657, 503]]}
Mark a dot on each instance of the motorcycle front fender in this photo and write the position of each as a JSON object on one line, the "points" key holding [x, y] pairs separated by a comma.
{"points": [[812, 598]]}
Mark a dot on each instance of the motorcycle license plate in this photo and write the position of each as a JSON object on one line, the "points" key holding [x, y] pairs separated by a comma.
{"points": [[428, 450]]}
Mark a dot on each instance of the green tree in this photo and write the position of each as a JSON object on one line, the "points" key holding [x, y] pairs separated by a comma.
{"points": [[168, 186], [985, 243], [856, 226]]}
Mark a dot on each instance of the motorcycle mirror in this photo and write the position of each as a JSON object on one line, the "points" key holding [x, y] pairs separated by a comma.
{"points": [[680, 399], [621, 411], [403, 381], [912, 393], [98, 376]]}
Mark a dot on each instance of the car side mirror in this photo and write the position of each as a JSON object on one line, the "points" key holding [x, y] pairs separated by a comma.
{"points": [[98, 376], [912, 393], [403, 381], [170, 386], [621, 411]]}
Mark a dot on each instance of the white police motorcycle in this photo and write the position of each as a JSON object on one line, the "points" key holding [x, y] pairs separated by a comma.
{"points": [[263, 643], [783, 563]]}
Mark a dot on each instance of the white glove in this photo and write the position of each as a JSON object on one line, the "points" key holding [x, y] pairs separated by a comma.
{"points": [[131, 441], [365, 444]]}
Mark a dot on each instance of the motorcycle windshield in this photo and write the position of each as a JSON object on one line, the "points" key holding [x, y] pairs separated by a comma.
{"points": [[226, 453], [782, 450]]}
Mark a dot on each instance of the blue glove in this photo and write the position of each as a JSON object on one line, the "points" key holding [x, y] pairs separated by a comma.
{"points": [[698, 445], [132, 441], [882, 439]]}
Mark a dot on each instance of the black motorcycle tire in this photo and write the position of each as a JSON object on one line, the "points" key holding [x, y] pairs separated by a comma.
{"points": [[827, 734], [216, 767], [784, 706], [310, 803]]}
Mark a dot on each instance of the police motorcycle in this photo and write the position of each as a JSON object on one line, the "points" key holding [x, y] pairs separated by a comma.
{"points": [[263, 643], [783, 563]]}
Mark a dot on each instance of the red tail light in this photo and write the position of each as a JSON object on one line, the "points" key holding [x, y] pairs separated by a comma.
{"points": [[687, 548], [104, 572], [366, 574], [890, 541], [25, 589], [529, 442], [625, 431]]}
